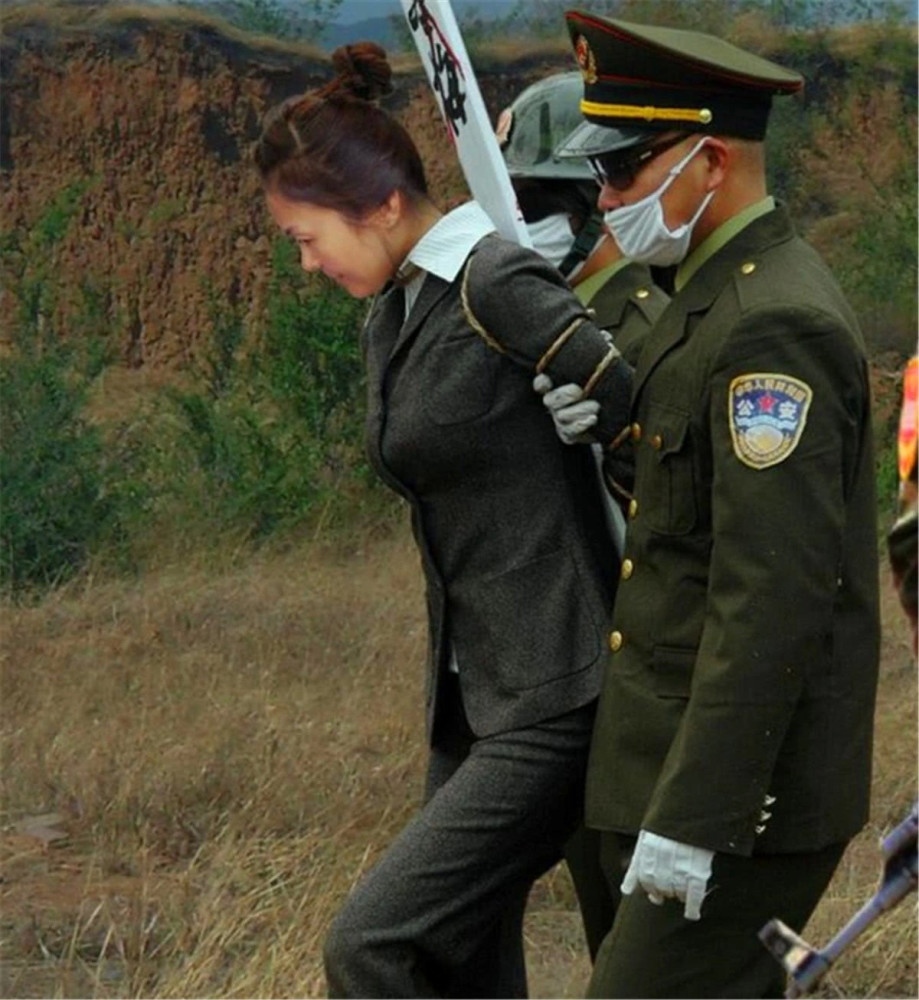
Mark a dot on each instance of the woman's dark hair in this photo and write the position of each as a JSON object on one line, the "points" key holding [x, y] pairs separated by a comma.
{"points": [[335, 147]]}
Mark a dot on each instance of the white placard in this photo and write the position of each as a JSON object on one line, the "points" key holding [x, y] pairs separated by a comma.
{"points": [[450, 74]]}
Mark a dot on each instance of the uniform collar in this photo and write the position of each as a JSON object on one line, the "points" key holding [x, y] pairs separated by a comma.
{"points": [[589, 287], [716, 240]]}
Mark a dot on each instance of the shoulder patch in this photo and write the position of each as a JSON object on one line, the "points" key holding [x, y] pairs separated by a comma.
{"points": [[767, 413]]}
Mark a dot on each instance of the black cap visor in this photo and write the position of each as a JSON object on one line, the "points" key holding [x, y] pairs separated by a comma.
{"points": [[592, 140]]}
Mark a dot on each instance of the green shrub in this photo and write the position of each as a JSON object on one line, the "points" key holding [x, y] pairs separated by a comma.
{"points": [[56, 219], [307, 20], [248, 471], [274, 426], [55, 504], [268, 429], [309, 353], [888, 483], [878, 272]]}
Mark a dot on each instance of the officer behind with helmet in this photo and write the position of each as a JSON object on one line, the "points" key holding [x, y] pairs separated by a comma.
{"points": [[558, 201], [731, 755]]}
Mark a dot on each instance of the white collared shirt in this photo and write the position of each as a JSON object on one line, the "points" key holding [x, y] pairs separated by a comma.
{"points": [[443, 249]]}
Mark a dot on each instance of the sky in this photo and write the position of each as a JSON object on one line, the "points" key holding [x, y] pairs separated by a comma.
{"points": [[360, 10]]}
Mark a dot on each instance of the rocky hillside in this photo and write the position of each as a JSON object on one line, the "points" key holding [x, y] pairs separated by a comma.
{"points": [[125, 133], [129, 206]]}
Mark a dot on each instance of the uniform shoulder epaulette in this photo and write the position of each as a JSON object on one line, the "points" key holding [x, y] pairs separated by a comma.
{"points": [[650, 300]]}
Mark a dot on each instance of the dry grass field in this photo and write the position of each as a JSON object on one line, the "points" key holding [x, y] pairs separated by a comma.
{"points": [[198, 764]]}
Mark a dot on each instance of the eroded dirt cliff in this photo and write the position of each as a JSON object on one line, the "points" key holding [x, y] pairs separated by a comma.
{"points": [[149, 117]]}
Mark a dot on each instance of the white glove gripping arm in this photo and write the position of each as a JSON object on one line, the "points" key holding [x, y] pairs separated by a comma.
{"points": [[572, 421], [667, 869], [573, 416]]}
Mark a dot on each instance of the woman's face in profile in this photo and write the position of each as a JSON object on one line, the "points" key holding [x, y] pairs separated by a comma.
{"points": [[354, 255]]}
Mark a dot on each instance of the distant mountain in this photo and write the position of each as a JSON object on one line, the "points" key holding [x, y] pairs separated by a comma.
{"points": [[361, 20], [352, 11], [374, 29]]}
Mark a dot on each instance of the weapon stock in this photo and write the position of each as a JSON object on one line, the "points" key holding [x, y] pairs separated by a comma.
{"points": [[807, 965]]}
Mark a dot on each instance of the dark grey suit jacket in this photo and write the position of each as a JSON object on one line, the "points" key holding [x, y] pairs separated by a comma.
{"points": [[519, 569]]}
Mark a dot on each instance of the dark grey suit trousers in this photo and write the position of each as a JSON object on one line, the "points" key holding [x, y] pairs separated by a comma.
{"points": [[441, 914]]}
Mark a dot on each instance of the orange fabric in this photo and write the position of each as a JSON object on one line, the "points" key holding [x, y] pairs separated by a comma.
{"points": [[909, 421]]}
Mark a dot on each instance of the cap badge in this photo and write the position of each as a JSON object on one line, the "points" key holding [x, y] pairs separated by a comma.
{"points": [[586, 59], [767, 413]]}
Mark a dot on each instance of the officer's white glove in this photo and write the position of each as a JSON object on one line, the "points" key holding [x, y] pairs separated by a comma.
{"points": [[667, 869], [573, 416]]}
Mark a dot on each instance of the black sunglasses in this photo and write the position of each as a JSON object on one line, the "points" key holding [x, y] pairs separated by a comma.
{"points": [[619, 169]]}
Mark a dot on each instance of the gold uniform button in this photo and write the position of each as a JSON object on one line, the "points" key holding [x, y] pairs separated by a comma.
{"points": [[615, 641], [628, 568], [636, 431], [657, 442], [747, 268], [642, 293], [633, 508]]}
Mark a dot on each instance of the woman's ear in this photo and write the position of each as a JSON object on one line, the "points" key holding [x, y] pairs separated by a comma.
{"points": [[387, 215]]}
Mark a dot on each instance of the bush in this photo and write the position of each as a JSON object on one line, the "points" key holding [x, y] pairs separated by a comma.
{"points": [[268, 429], [856, 195], [310, 354], [274, 427], [308, 20], [56, 506], [56, 498], [248, 472]]}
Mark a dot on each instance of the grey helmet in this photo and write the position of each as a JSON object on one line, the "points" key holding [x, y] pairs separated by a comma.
{"points": [[535, 124]]}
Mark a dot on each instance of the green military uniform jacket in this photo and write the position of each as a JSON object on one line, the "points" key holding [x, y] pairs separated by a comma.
{"points": [[737, 705], [627, 304]]}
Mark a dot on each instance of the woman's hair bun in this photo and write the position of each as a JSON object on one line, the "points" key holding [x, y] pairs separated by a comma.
{"points": [[363, 70]]}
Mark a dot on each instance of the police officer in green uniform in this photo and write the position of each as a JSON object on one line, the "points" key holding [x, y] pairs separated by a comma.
{"points": [[558, 201], [731, 757]]}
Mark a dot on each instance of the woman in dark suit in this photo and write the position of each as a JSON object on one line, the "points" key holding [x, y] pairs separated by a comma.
{"points": [[519, 569]]}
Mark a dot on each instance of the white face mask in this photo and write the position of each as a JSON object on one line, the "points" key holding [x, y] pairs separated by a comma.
{"points": [[552, 237], [640, 229]]}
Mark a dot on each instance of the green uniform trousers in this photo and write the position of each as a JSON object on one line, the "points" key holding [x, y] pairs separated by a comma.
{"points": [[654, 951]]}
